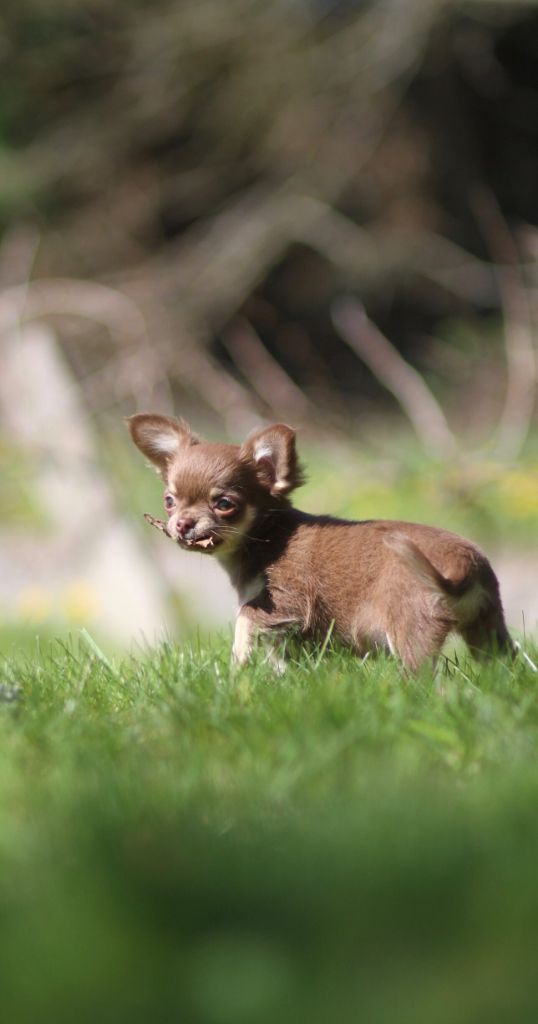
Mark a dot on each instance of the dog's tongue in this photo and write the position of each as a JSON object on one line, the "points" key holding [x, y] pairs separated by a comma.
{"points": [[159, 524]]}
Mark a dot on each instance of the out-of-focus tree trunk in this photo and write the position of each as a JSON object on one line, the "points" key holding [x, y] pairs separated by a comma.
{"points": [[83, 544]]}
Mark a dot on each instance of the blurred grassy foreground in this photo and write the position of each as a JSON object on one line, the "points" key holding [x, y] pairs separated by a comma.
{"points": [[179, 842]]}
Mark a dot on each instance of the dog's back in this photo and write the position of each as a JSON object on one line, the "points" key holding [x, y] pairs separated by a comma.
{"points": [[394, 585]]}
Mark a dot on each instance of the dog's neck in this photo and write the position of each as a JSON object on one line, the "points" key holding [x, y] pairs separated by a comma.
{"points": [[267, 538]]}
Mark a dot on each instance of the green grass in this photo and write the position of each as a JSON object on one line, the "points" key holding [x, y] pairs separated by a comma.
{"points": [[179, 841], [182, 842]]}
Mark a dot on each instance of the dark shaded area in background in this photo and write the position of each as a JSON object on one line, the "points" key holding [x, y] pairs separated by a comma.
{"points": [[126, 128]]}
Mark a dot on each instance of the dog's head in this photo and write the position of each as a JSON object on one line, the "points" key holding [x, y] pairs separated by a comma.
{"points": [[214, 492]]}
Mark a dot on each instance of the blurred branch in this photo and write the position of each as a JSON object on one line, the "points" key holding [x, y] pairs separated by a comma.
{"points": [[219, 263], [395, 374], [371, 256], [18, 253], [521, 359], [264, 374], [131, 374], [458, 272], [195, 369], [67, 297]]}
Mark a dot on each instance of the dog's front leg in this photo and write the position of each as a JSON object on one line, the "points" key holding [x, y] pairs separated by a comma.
{"points": [[244, 636], [248, 629]]}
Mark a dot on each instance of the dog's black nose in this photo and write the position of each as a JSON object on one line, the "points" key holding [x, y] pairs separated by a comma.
{"points": [[185, 525]]}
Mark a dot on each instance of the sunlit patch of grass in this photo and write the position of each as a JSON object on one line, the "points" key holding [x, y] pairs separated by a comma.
{"points": [[40, 612], [478, 497], [19, 503], [518, 493]]}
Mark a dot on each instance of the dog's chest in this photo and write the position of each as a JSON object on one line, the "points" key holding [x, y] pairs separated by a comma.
{"points": [[250, 590]]}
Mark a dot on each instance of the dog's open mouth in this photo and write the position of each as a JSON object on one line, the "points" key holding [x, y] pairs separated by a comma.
{"points": [[205, 543]]}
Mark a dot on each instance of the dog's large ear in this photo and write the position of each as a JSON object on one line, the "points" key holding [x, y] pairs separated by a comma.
{"points": [[160, 437], [273, 453]]}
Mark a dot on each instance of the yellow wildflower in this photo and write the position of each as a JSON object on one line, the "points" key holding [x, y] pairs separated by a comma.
{"points": [[34, 603], [80, 602]]}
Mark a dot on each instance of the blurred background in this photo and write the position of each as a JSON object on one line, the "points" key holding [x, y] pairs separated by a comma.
{"points": [[319, 211]]}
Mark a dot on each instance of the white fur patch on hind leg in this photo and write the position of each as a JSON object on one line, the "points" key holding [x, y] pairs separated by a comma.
{"points": [[275, 660]]}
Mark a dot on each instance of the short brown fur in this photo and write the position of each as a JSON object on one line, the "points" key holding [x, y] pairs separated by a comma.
{"points": [[379, 585]]}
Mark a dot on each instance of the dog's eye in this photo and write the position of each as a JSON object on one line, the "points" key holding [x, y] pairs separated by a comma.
{"points": [[169, 501], [225, 505]]}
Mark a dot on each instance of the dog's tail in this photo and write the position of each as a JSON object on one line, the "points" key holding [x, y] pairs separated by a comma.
{"points": [[426, 572], [471, 604]]}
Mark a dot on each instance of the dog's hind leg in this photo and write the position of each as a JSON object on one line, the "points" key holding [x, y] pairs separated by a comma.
{"points": [[488, 635], [418, 632]]}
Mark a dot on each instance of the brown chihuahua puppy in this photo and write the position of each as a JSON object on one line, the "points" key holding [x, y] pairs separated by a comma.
{"points": [[380, 585]]}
